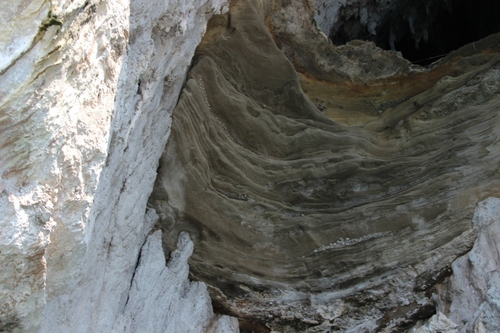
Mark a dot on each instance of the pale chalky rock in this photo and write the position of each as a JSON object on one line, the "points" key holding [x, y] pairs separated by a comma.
{"points": [[475, 283], [161, 298], [86, 94], [57, 91], [438, 323]]}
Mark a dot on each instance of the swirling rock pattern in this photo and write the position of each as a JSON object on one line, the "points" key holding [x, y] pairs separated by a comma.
{"points": [[309, 200]]}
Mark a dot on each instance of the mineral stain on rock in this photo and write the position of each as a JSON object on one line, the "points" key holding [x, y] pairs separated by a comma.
{"points": [[303, 190]]}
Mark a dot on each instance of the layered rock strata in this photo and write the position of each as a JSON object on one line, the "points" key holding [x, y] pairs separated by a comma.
{"points": [[329, 199]]}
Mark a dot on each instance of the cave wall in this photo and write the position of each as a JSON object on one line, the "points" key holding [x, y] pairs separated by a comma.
{"points": [[329, 188], [61, 66], [86, 97], [87, 90]]}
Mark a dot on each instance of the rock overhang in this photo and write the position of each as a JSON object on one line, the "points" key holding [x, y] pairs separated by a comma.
{"points": [[320, 186]]}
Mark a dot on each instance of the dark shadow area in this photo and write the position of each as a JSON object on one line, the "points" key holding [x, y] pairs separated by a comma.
{"points": [[424, 31], [468, 21]]}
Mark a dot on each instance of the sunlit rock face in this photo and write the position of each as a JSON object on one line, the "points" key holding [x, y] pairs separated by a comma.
{"points": [[86, 94], [326, 199]]}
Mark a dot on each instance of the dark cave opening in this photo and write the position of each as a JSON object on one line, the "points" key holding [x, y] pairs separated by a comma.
{"points": [[460, 23], [424, 31]]}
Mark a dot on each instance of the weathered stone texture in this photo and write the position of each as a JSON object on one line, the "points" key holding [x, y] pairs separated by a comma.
{"points": [[86, 93], [474, 287], [332, 200], [57, 101], [324, 188]]}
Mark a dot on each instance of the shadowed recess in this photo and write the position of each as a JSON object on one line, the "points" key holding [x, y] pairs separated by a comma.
{"points": [[423, 30]]}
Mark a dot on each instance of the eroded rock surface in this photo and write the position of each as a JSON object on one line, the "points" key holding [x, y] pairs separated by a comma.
{"points": [[324, 188], [60, 66], [162, 299], [471, 297], [86, 94], [323, 201]]}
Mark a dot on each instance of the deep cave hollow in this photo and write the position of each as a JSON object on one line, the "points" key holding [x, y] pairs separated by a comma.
{"points": [[425, 31]]}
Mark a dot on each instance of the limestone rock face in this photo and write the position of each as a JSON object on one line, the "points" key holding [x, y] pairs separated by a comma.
{"points": [[438, 323], [295, 33], [473, 294], [322, 200], [60, 69], [86, 94], [161, 298]]}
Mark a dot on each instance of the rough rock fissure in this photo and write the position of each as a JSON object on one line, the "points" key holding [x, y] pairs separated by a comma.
{"points": [[134, 273]]}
